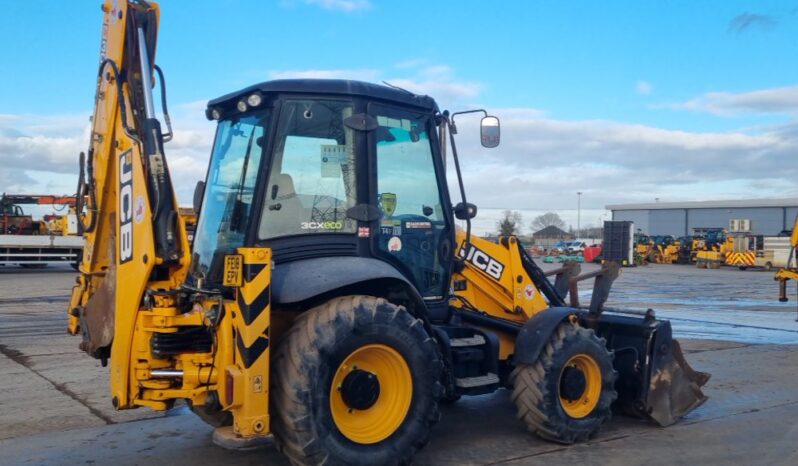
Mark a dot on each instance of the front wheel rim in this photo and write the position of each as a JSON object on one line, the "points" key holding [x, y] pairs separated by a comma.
{"points": [[383, 415], [582, 405]]}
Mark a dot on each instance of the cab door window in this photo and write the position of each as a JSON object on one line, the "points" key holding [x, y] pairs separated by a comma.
{"points": [[413, 225], [312, 175]]}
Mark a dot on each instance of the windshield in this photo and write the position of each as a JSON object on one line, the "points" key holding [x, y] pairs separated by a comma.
{"points": [[226, 205]]}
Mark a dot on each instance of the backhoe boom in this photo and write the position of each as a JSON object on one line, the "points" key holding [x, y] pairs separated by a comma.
{"points": [[134, 239]]}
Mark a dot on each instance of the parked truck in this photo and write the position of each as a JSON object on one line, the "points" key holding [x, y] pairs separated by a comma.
{"points": [[30, 242]]}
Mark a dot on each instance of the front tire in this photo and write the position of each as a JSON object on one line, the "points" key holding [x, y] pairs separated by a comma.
{"points": [[355, 381], [565, 396]]}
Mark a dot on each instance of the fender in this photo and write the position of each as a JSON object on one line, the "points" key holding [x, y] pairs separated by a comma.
{"points": [[536, 333], [297, 281]]}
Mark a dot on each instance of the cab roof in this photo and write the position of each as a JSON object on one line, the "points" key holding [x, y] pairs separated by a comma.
{"points": [[341, 87]]}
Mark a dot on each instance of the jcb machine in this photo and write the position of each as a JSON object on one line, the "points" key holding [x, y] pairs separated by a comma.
{"points": [[790, 272], [330, 300], [665, 250]]}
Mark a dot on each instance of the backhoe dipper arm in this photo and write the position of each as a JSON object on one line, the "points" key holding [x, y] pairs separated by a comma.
{"points": [[135, 242]]}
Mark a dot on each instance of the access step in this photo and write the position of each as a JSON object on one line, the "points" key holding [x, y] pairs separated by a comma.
{"points": [[476, 340], [478, 381]]}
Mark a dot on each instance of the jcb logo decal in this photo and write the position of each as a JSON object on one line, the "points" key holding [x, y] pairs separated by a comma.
{"points": [[481, 260], [125, 208]]}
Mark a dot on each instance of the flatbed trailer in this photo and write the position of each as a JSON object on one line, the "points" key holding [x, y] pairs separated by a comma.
{"points": [[39, 250]]}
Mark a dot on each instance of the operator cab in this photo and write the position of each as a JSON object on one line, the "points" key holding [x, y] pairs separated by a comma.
{"points": [[343, 180]]}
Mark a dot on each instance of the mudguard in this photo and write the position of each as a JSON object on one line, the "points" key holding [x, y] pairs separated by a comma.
{"points": [[536, 333], [296, 281]]}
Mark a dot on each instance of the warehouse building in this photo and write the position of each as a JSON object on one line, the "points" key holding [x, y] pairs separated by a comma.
{"points": [[768, 216]]}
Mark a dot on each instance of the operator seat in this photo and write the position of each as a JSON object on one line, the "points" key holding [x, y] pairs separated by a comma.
{"points": [[283, 212]]}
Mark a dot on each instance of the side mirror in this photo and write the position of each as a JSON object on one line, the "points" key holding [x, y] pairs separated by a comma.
{"points": [[465, 211], [199, 193], [489, 131]]}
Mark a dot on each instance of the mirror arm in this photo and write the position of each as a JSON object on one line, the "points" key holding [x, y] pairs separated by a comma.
{"points": [[454, 127]]}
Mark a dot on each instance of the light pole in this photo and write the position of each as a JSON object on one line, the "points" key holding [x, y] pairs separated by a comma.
{"points": [[578, 212], [601, 223]]}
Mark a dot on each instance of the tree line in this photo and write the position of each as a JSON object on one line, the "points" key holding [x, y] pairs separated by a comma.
{"points": [[512, 223]]}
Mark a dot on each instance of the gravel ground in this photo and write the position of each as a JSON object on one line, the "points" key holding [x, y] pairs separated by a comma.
{"points": [[55, 407]]}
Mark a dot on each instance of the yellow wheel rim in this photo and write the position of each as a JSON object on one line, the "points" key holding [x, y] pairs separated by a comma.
{"points": [[583, 404], [386, 414]]}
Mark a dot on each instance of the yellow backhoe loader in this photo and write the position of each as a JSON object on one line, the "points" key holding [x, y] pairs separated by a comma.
{"points": [[790, 272], [329, 300]]}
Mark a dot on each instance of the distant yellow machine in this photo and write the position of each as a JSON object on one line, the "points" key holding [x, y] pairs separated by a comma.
{"points": [[716, 246], [790, 272]]}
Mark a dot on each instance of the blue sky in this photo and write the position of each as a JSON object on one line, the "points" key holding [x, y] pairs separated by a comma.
{"points": [[625, 101]]}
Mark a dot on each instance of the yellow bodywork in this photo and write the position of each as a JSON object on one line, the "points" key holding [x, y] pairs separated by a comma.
{"points": [[116, 264], [247, 372], [643, 250], [512, 296], [790, 272], [117, 291], [666, 254]]}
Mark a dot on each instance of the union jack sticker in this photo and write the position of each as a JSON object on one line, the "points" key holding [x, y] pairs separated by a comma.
{"points": [[363, 232]]}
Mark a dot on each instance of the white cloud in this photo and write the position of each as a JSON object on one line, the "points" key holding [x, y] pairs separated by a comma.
{"points": [[539, 166], [415, 75], [542, 162], [643, 87], [775, 100], [39, 153], [42, 142], [442, 91], [411, 63], [363, 74]]}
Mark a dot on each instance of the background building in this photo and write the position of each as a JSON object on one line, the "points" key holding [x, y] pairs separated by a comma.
{"points": [[768, 216], [549, 236]]}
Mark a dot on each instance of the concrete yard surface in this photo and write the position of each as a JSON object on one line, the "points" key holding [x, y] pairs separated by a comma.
{"points": [[55, 407]]}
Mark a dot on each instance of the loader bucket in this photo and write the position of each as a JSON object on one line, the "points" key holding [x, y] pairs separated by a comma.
{"points": [[654, 379], [675, 388]]}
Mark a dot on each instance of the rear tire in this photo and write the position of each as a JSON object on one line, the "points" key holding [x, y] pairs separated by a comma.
{"points": [[324, 343], [541, 393]]}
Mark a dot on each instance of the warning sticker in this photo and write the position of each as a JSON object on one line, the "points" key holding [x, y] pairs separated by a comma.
{"points": [[418, 225], [138, 212], [529, 292], [394, 244]]}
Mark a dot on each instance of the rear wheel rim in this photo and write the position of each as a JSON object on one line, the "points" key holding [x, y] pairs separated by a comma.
{"points": [[384, 415], [582, 405]]}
